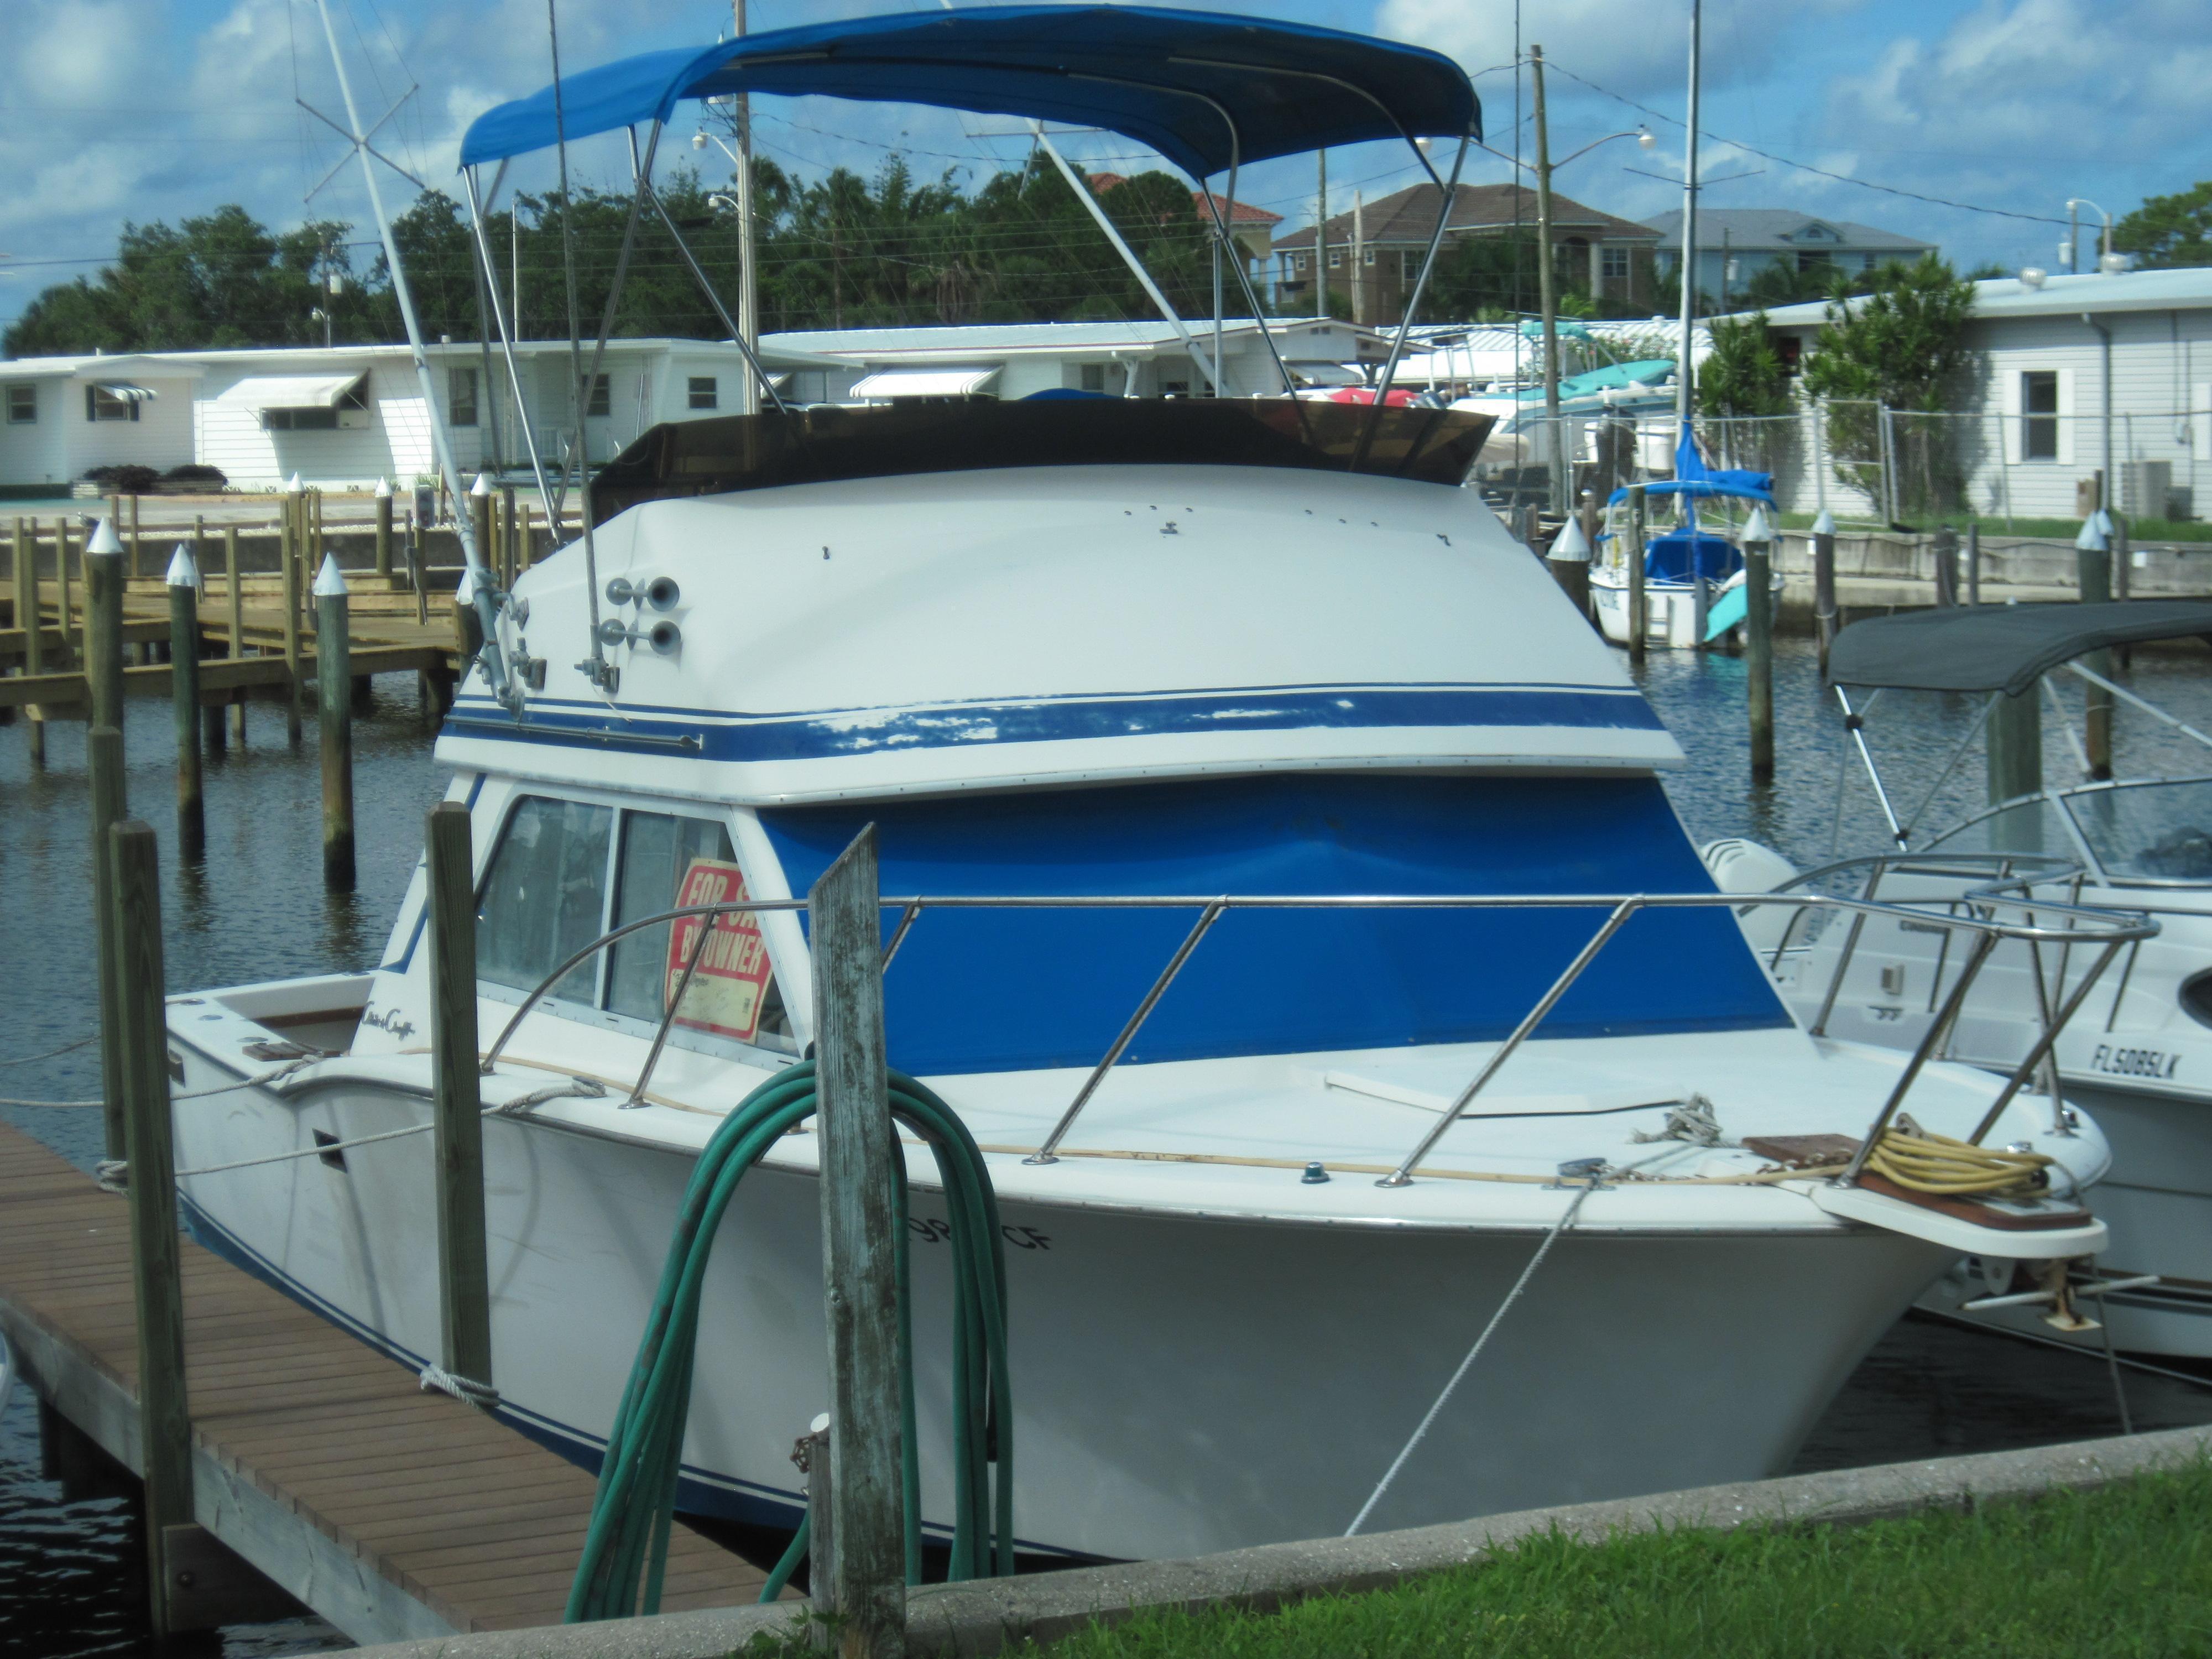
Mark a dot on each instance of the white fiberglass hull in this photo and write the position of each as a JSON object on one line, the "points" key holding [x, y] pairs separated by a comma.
{"points": [[1182, 1384]]}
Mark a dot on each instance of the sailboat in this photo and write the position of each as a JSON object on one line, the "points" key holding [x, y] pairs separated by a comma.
{"points": [[1692, 576]]}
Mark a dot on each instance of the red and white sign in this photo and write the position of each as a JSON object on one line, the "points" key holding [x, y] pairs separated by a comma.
{"points": [[730, 984]]}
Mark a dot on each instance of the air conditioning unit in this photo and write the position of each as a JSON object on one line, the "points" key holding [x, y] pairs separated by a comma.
{"points": [[2144, 487]]}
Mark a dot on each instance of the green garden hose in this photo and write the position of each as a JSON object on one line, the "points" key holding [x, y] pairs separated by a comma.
{"points": [[626, 1548]]}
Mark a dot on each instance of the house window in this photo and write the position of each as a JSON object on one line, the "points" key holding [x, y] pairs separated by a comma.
{"points": [[22, 405], [1409, 265], [102, 404], [2038, 415], [1814, 258], [1094, 377], [1613, 264], [1336, 259], [1868, 261], [704, 394], [553, 888], [461, 395], [1301, 262], [1368, 257], [601, 401], [351, 409]]}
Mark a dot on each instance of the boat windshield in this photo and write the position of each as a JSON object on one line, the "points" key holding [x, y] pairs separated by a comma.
{"points": [[988, 990], [2154, 831], [2036, 825]]}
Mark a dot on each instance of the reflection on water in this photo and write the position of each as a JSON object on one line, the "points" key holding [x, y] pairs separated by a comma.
{"points": [[256, 909]]}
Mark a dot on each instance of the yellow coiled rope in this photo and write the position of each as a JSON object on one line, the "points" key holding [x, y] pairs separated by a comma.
{"points": [[1923, 1162]]}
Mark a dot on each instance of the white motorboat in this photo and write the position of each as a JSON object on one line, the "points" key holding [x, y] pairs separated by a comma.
{"points": [[2136, 1051], [1248, 789]]}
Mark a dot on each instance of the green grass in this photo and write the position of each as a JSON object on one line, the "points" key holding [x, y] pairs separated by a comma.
{"points": [[2139, 529], [2112, 1574]]}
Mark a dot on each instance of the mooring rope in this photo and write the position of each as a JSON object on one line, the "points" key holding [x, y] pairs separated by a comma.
{"points": [[32, 1060]]}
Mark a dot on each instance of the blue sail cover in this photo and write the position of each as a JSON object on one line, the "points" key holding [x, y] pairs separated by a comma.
{"points": [[1166, 78], [991, 990]]}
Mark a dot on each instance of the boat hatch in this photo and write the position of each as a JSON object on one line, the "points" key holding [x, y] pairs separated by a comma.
{"points": [[830, 445]]}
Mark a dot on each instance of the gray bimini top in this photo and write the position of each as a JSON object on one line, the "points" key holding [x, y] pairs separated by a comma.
{"points": [[2001, 647]]}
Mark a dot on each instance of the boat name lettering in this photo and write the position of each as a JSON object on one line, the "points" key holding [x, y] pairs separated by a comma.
{"points": [[935, 1230], [390, 1022], [2135, 1063]]}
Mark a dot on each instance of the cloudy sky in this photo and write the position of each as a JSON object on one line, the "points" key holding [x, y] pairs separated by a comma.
{"points": [[143, 110]]}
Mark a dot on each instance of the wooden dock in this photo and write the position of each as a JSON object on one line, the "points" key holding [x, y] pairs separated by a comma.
{"points": [[393, 1513]]}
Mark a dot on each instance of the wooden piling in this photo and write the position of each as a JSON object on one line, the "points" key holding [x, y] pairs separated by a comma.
{"points": [[464, 1281], [165, 1420], [1759, 654], [510, 537], [184, 585], [526, 541], [2123, 579], [2093, 572], [103, 630], [1973, 562], [479, 509], [2016, 748], [235, 600], [821, 1536], [138, 566], [103, 753], [334, 716], [1639, 602], [858, 1257], [288, 552], [383, 530], [71, 616], [30, 613], [1947, 566], [1824, 590], [213, 735]]}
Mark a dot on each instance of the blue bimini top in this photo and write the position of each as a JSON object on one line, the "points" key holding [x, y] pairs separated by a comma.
{"points": [[987, 990], [1205, 90]]}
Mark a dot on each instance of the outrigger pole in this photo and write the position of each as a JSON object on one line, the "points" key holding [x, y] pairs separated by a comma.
{"points": [[487, 598]]}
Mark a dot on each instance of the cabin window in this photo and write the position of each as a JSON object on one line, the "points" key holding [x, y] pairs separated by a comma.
{"points": [[670, 863], [22, 405], [601, 401], [544, 897], [2038, 415], [461, 395]]}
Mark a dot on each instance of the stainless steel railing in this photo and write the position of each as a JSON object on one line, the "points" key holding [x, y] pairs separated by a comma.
{"points": [[2040, 923]]}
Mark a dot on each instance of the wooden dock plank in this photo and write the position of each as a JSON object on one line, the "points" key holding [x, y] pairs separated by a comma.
{"points": [[440, 1515]]}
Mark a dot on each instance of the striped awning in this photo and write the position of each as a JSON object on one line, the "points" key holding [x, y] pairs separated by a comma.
{"points": [[126, 392], [924, 383]]}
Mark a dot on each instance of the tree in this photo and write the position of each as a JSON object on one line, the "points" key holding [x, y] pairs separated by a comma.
{"points": [[2169, 230], [1903, 348], [1743, 379]]}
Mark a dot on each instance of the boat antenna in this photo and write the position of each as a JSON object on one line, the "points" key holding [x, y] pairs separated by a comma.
{"points": [[487, 594], [1685, 375]]}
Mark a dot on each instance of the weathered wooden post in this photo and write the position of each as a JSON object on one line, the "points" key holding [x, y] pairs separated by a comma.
{"points": [[464, 1281], [480, 513], [1824, 584], [289, 537], [821, 1534], [526, 544], [235, 596], [103, 754], [1701, 612], [334, 714], [212, 735], [1639, 602], [2122, 566], [183, 584], [384, 530], [1947, 566], [1759, 641], [858, 1257], [2093, 559], [30, 615], [1974, 562], [2015, 747], [1569, 560], [138, 567], [510, 537], [164, 1413], [103, 624]]}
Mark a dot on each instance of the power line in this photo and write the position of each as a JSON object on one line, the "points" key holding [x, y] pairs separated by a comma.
{"points": [[1806, 167]]}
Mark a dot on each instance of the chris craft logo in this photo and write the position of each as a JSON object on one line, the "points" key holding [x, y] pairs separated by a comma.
{"points": [[2153, 1063]]}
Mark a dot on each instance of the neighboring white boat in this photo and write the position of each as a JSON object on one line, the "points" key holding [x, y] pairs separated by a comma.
{"points": [[2137, 1052], [1269, 676], [1691, 575]]}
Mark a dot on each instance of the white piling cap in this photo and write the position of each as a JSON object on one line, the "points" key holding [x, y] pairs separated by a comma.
{"points": [[330, 584], [295, 487], [483, 485], [466, 593], [103, 539], [1757, 530], [1570, 546], [1825, 524], [384, 489], [184, 572]]}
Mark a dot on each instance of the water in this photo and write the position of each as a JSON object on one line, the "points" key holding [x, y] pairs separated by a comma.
{"points": [[256, 909]]}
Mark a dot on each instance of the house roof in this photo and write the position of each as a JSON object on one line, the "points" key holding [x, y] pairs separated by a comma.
{"points": [[1409, 215], [980, 342], [1243, 213], [1753, 230], [191, 364], [1999, 297]]}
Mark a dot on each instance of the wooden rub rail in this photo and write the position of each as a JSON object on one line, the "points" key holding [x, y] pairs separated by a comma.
{"points": [[393, 1513]]}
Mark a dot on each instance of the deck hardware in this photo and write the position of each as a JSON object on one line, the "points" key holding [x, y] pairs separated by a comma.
{"points": [[335, 1160], [1314, 1175], [2019, 1146], [663, 636], [1892, 979], [619, 591], [1585, 1171], [662, 593]]}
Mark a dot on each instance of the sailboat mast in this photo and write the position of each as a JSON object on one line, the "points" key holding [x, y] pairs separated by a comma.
{"points": [[1683, 375]]}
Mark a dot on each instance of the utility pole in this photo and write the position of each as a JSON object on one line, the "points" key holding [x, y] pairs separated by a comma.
{"points": [[1320, 233], [741, 120], [1358, 251], [1547, 293], [1683, 399]]}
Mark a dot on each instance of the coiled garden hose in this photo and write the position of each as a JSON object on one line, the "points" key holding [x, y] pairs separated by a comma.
{"points": [[626, 1548]]}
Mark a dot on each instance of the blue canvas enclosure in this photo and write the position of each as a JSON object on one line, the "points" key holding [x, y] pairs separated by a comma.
{"points": [[1204, 90], [1001, 990], [1680, 555]]}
